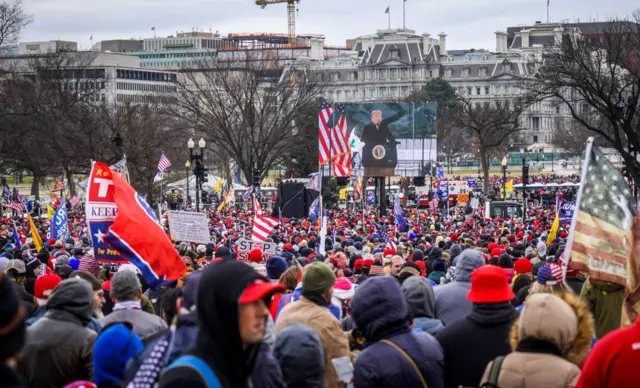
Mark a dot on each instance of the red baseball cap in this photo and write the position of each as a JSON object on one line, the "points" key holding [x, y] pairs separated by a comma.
{"points": [[44, 286], [259, 289]]}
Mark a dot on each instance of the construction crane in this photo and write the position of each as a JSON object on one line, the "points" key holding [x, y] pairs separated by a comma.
{"points": [[291, 14]]}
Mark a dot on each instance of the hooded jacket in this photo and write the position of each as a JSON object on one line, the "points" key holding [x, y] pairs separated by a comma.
{"points": [[299, 353], [550, 340], [59, 346], [451, 298], [218, 342], [379, 310], [422, 303], [470, 343]]}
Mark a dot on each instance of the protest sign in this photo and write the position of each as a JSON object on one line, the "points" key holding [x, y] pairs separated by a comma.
{"points": [[188, 226], [246, 246]]}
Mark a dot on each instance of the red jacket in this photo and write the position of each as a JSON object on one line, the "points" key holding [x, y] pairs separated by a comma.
{"points": [[613, 361]]}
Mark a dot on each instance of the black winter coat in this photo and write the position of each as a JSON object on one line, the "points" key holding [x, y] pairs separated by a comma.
{"points": [[471, 343]]}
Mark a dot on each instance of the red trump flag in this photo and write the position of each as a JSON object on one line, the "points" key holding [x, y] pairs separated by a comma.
{"points": [[136, 234]]}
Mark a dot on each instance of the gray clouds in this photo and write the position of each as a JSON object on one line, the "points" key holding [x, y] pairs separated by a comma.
{"points": [[468, 23]]}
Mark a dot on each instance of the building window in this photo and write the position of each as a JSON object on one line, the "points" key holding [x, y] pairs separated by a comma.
{"points": [[465, 72], [486, 90], [478, 91], [430, 73], [405, 73], [394, 74], [469, 90], [382, 92], [506, 67], [394, 53], [482, 72], [335, 76], [448, 73], [535, 123]]}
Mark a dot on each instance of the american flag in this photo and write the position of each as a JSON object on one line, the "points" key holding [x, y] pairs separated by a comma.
{"points": [[334, 139], [433, 204], [601, 239], [384, 237], [74, 200], [262, 227], [149, 373], [247, 194], [257, 210], [59, 184], [163, 163], [15, 201]]}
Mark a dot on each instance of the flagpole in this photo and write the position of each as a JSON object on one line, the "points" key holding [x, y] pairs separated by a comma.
{"points": [[404, 24], [548, 2], [389, 17]]}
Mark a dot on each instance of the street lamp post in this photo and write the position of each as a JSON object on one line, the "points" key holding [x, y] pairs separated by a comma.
{"points": [[198, 167], [187, 165], [504, 177]]}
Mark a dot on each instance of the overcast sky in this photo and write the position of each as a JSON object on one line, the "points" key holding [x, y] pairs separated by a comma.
{"points": [[468, 23]]}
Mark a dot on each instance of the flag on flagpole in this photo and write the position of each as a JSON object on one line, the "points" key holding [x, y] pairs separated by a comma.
{"points": [[59, 184], [602, 240], [135, 232], [388, 9], [262, 227], [74, 200], [401, 223], [37, 241]]}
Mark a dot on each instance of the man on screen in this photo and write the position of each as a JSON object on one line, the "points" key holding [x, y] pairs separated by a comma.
{"points": [[374, 134]]}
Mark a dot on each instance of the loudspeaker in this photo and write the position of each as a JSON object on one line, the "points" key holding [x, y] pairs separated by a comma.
{"points": [[418, 181], [293, 200]]}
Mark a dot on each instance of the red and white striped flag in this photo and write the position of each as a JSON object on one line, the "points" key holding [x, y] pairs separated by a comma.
{"points": [[59, 184], [333, 139], [262, 227], [74, 200], [163, 163], [433, 204], [256, 207]]}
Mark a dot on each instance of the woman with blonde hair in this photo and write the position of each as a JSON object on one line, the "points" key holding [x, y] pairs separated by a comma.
{"points": [[550, 340]]}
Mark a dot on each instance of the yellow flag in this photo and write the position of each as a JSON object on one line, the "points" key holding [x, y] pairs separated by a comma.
{"points": [[509, 186], [218, 186], [554, 230], [50, 211], [37, 241], [343, 194]]}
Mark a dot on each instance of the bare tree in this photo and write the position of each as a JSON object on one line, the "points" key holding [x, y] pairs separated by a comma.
{"points": [[597, 79], [248, 110], [489, 125], [12, 20]]}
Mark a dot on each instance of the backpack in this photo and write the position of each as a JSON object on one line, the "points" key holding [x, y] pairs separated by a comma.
{"points": [[494, 373], [199, 366]]}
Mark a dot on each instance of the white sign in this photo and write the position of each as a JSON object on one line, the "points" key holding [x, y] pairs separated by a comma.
{"points": [[189, 226], [249, 245]]}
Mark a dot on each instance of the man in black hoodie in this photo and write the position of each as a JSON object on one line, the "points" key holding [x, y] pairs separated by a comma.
{"points": [[232, 312]]}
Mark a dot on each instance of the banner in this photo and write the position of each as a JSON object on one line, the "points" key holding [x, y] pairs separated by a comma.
{"points": [[59, 226], [566, 210], [189, 226], [443, 191], [119, 168], [101, 211], [245, 247]]}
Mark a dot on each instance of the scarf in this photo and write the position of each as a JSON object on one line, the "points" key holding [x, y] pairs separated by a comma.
{"points": [[315, 298], [127, 305]]}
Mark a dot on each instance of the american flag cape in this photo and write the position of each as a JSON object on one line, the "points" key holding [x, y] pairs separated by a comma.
{"points": [[333, 139]]}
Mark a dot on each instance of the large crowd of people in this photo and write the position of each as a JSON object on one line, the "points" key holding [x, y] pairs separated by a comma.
{"points": [[450, 300]]}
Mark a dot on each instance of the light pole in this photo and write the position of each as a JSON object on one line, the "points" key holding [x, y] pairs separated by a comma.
{"points": [[198, 167], [479, 161], [504, 177], [187, 165]]}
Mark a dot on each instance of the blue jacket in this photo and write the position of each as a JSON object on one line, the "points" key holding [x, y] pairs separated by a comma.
{"points": [[379, 310]]}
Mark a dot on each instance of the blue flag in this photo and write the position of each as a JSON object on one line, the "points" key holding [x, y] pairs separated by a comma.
{"points": [[59, 227], [401, 223], [471, 182], [16, 237], [443, 191], [313, 209], [6, 193], [371, 197], [441, 173]]}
